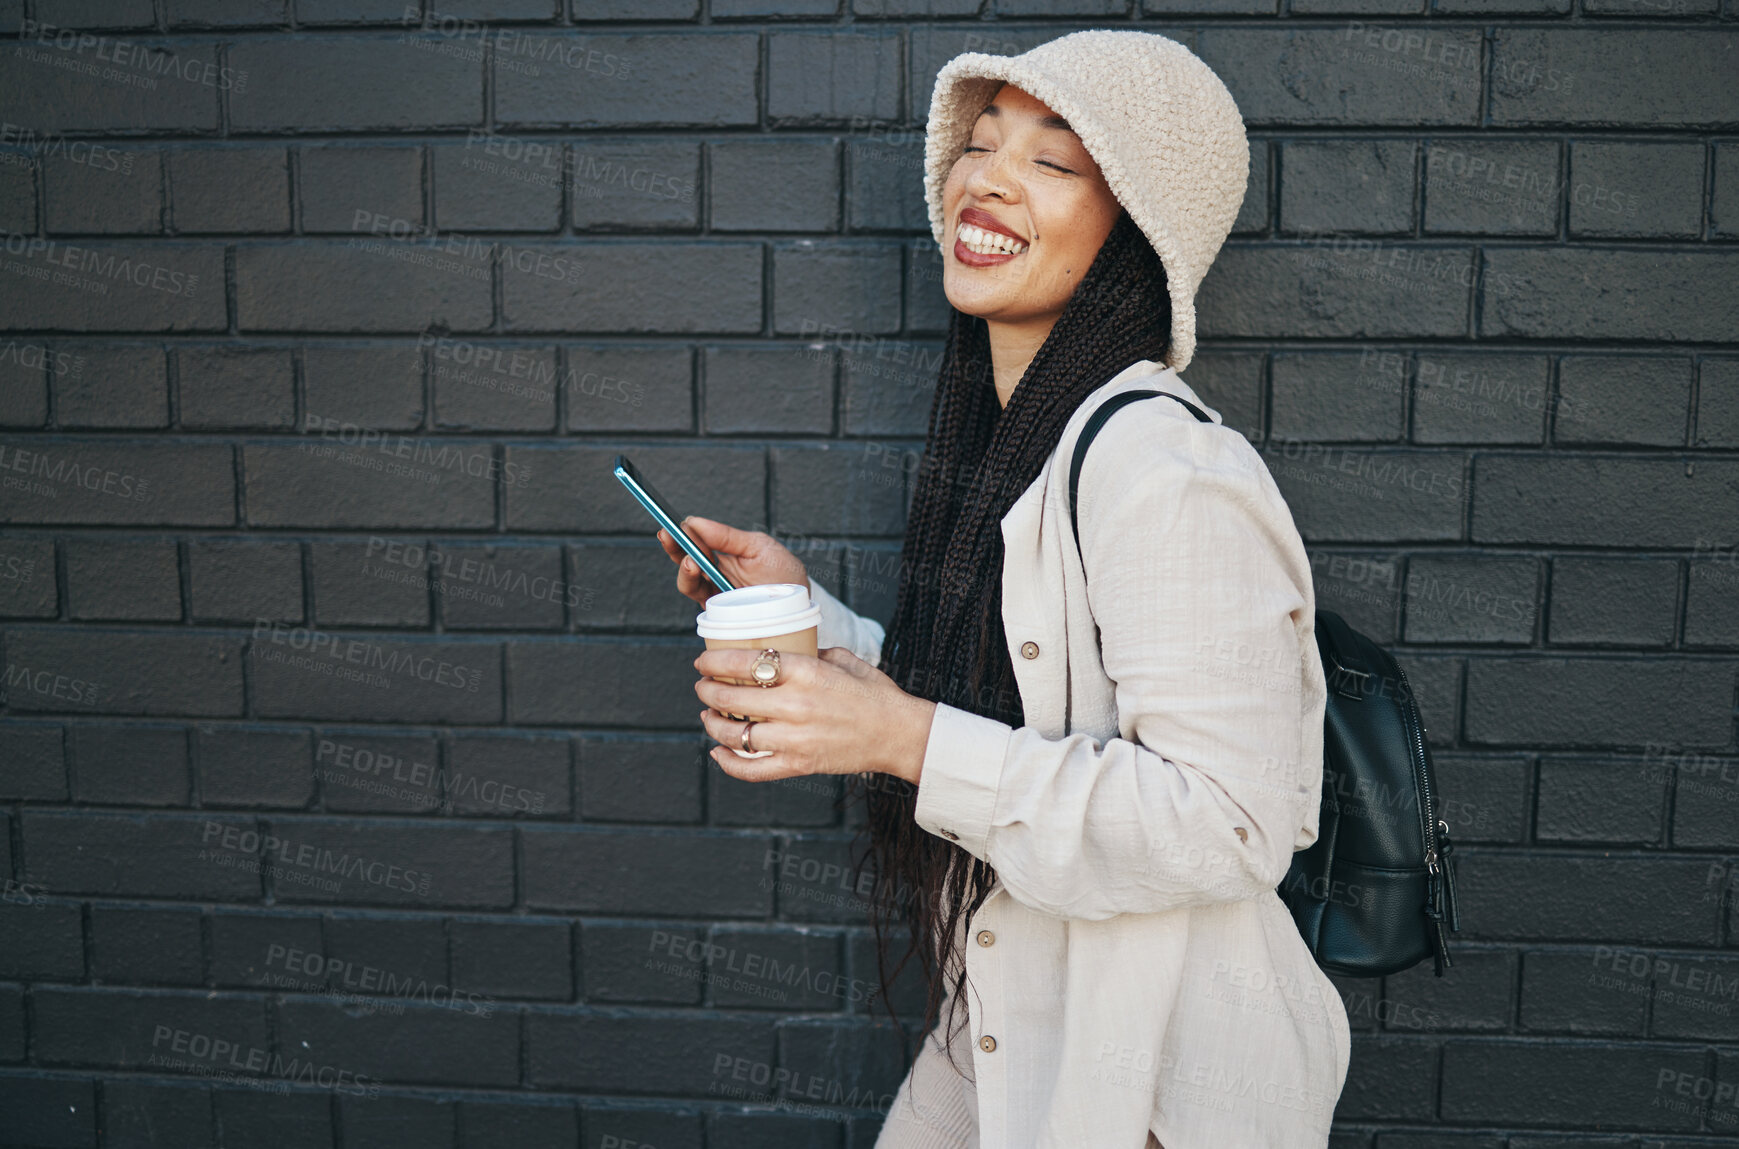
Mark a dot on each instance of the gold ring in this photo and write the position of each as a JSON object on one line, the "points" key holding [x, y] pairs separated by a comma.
{"points": [[745, 738], [765, 668]]}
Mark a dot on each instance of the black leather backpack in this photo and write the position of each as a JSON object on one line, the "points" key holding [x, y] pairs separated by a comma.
{"points": [[1373, 893]]}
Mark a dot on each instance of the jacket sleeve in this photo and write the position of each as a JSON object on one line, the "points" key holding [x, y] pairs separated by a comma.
{"points": [[1201, 590], [842, 626]]}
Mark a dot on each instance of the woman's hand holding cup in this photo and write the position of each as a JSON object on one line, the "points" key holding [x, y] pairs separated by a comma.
{"points": [[747, 558]]}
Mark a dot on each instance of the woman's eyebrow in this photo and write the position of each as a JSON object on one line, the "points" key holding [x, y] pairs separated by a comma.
{"points": [[1044, 121]]}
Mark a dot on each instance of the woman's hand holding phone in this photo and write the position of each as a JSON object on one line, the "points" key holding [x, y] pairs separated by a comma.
{"points": [[747, 558]]}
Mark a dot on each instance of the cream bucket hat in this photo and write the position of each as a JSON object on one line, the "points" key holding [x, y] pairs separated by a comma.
{"points": [[1161, 126]]}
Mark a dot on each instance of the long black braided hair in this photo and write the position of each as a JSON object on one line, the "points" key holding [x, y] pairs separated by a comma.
{"points": [[946, 640]]}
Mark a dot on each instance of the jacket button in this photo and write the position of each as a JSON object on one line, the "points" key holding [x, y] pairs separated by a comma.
{"points": [[986, 938], [987, 1043], [951, 835], [1029, 649]]}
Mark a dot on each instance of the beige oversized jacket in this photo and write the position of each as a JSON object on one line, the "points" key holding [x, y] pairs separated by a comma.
{"points": [[1134, 969]]}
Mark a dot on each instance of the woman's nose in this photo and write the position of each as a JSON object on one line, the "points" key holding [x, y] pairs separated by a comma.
{"points": [[992, 178]]}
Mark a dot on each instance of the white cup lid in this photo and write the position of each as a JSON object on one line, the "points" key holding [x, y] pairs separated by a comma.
{"points": [[758, 611]]}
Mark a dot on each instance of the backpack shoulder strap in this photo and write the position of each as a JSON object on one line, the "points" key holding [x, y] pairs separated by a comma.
{"points": [[1097, 420]]}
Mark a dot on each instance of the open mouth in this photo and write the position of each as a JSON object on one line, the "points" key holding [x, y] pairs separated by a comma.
{"points": [[988, 246]]}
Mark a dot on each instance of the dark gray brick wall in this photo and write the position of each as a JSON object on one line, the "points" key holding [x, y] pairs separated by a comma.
{"points": [[347, 719]]}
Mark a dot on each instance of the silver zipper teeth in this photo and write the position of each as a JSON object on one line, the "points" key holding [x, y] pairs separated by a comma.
{"points": [[1428, 810]]}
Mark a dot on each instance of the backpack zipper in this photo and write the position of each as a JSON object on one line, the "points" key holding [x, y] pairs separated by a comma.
{"points": [[1434, 877]]}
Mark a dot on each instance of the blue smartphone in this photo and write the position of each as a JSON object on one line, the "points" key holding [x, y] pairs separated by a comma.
{"points": [[660, 510]]}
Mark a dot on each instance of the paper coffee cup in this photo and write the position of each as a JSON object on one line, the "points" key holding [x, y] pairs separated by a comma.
{"points": [[777, 615]]}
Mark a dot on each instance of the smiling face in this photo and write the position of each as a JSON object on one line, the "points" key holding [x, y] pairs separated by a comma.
{"points": [[1025, 210]]}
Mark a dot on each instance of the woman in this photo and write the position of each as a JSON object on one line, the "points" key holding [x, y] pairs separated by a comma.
{"points": [[1101, 764]]}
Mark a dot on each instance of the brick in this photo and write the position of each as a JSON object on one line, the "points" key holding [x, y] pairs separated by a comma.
{"points": [[1622, 399], [362, 773], [1477, 397], [759, 9], [221, 387], [640, 779], [129, 766], [496, 183], [1568, 992], [369, 288], [230, 189], [406, 681], [785, 970], [157, 286], [1492, 187], [773, 1130], [27, 584], [1724, 205], [18, 196], [1348, 187], [511, 389], [609, 871], [491, 587], [24, 379], [45, 942], [774, 185], [203, 13], [506, 777], [1600, 802], [672, 1130], [599, 1054], [692, 79], [513, 959], [1634, 190], [1631, 602], [250, 949], [1389, 1078], [1537, 1082], [1485, 598], [43, 88], [636, 185], [1476, 997], [833, 289], [1364, 589], [251, 1116], [107, 191], [254, 768], [1631, 502], [1717, 404], [464, 866], [865, 1060], [387, 1122], [816, 879], [1642, 900], [1598, 701], [395, 481], [638, 962], [509, 1125], [48, 1112], [85, 14], [1339, 494], [35, 763], [1544, 294], [635, 9], [135, 1114], [617, 388], [351, 12], [119, 1029], [827, 77], [830, 489], [355, 584], [135, 946], [376, 387], [1436, 685], [582, 682], [887, 385], [115, 387], [1365, 75], [629, 585], [635, 287], [403, 951], [423, 1045], [573, 490], [312, 83], [885, 182], [908, 989], [799, 801], [1254, 215], [1381, 289], [1689, 1004], [767, 390], [348, 189], [1333, 397], [1712, 606], [240, 580], [84, 853], [112, 483], [165, 673], [1645, 78]]}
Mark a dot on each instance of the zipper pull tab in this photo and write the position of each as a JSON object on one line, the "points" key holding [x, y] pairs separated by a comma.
{"points": [[1446, 847]]}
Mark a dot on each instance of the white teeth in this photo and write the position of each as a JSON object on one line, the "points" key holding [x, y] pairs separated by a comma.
{"points": [[984, 242]]}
